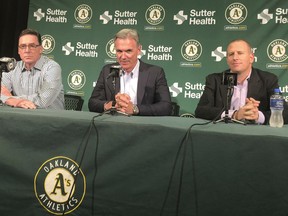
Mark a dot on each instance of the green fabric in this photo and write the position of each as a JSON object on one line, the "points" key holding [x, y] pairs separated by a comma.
{"points": [[229, 169]]}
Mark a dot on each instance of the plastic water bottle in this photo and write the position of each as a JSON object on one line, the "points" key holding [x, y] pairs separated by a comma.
{"points": [[276, 106]]}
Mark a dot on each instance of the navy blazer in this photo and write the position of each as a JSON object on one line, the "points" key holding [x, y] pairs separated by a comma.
{"points": [[261, 85], [153, 96]]}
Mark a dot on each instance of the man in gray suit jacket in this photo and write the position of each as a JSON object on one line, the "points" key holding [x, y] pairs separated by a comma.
{"points": [[138, 89], [251, 97]]}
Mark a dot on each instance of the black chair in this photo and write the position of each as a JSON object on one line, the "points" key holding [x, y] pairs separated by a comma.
{"points": [[73, 102], [175, 109]]}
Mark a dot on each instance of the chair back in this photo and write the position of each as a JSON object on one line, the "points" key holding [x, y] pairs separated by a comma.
{"points": [[175, 109], [73, 102]]}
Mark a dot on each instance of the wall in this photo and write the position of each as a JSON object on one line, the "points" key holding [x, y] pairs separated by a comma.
{"points": [[187, 38]]}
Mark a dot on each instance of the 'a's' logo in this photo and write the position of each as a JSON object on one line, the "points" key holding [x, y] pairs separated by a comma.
{"points": [[60, 185]]}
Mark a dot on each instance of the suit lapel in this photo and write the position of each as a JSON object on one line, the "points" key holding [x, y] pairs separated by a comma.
{"points": [[142, 80], [253, 84]]}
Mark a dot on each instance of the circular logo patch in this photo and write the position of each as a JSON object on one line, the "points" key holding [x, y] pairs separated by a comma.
{"points": [[76, 79], [48, 44], [277, 50], [60, 185], [110, 49], [236, 13], [191, 50], [155, 14], [83, 13]]}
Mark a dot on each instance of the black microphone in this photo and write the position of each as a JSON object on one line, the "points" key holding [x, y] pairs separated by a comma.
{"points": [[230, 79], [7, 64], [114, 71]]}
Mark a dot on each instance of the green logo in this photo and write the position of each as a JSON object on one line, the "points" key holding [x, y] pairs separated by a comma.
{"points": [[48, 44], [76, 79], [236, 13], [155, 14], [191, 50], [277, 51], [83, 13]]}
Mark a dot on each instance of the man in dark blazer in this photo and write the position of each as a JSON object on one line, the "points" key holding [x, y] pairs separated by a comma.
{"points": [[137, 88], [251, 97]]}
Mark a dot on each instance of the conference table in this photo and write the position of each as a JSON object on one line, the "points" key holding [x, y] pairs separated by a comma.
{"points": [[83, 163]]}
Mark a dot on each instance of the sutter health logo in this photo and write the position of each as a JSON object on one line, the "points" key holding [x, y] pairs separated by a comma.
{"points": [[191, 90], [280, 15], [159, 53], [120, 17], [52, 15], [197, 17], [60, 185], [82, 49]]}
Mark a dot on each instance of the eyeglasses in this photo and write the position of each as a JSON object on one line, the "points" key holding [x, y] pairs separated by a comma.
{"points": [[30, 46]]}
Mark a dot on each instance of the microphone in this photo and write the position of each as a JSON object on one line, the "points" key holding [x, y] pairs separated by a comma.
{"points": [[114, 71], [229, 79], [7, 64]]}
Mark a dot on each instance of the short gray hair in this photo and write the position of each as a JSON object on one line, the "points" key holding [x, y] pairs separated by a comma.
{"points": [[128, 33]]}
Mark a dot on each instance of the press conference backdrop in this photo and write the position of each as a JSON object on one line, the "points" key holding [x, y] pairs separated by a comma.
{"points": [[187, 38]]}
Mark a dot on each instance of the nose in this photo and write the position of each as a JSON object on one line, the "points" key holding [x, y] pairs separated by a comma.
{"points": [[27, 49], [123, 55], [235, 56]]}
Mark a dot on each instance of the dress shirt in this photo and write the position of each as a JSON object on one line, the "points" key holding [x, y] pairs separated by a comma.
{"points": [[238, 99], [129, 83], [42, 84]]}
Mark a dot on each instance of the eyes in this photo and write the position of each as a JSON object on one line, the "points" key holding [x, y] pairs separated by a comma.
{"points": [[235, 53], [129, 51], [29, 46]]}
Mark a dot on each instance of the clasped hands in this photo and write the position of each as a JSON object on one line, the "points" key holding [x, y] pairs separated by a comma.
{"points": [[249, 111], [123, 104]]}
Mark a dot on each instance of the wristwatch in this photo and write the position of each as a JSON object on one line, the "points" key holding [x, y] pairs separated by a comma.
{"points": [[135, 109]]}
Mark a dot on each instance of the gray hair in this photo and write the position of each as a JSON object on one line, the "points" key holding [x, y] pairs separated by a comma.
{"points": [[128, 33]]}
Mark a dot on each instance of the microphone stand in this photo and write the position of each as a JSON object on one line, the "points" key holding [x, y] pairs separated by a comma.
{"points": [[230, 90], [115, 73], [113, 109]]}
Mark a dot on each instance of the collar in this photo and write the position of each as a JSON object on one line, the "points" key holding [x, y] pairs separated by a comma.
{"points": [[135, 72], [38, 65]]}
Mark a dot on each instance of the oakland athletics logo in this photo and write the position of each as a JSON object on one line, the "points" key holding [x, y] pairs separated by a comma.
{"points": [[83, 13], [60, 185], [277, 50], [155, 14], [76, 79], [191, 50], [110, 49], [48, 43], [236, 13]]}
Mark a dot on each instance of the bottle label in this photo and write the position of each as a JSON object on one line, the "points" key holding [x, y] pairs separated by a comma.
{"points": [[277, 103]]}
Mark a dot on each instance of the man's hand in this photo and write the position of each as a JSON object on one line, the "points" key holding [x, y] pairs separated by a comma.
{"points": [[5, 91], [21, 103], [124, 103], [249, 111]]}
